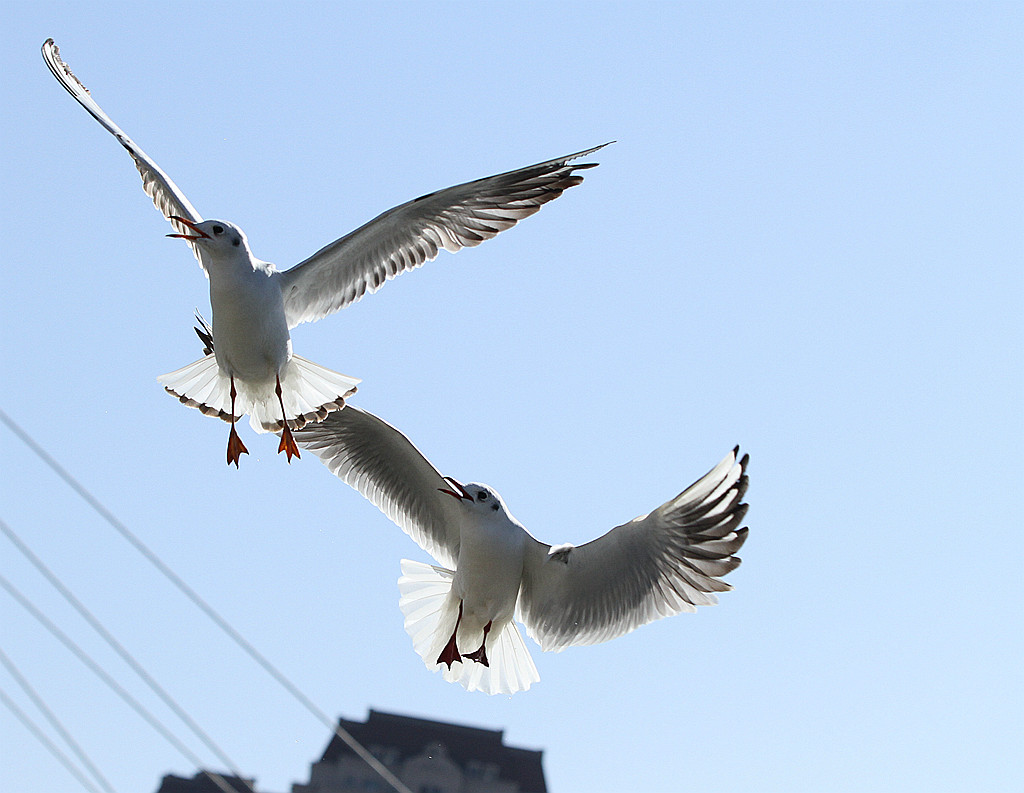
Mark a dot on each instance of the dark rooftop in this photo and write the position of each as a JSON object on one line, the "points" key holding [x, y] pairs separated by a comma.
{"points": [[203, 783], [410, 736]]}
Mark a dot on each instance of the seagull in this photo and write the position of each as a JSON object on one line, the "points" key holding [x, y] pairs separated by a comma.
{"points": [[254, 305], [459, 613]]}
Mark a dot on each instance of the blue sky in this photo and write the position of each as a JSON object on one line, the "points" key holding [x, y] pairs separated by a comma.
{"points": [[807, 240]]}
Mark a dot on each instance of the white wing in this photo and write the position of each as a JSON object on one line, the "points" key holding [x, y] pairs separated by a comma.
{"points": [[654, 566], [405, 237], [158, 185], [382, 464]]}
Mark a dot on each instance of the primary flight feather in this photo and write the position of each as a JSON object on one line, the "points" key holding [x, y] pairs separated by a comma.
{"points": [[253, 369], [460, 614]]}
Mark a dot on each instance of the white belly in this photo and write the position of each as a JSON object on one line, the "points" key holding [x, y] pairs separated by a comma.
{"points": [[251, 339], [487, 580]]}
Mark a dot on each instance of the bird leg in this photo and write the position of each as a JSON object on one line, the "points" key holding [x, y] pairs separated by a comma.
{"points": [[480, 656], [450, 654], [235, 446], [287, 445]]}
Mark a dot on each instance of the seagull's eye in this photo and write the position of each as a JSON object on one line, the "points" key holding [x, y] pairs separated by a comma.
{"points": [[483, 495], [218, 229]]}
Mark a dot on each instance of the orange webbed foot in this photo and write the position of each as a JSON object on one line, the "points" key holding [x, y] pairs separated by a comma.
{"points": [[288, 444], [235, 447], [480, 656], [450, 654]]}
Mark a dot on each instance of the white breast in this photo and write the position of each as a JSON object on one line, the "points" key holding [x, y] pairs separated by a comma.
{"points": [[489, 571], [251, 339]]}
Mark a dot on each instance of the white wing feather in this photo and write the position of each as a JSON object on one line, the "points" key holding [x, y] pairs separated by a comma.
{"points": [[656, 565], [408, 235], [373, 457], [166, 195], [400, 239]]}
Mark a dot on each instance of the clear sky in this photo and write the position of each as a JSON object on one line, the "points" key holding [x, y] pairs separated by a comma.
{"points": [[807, 240]]}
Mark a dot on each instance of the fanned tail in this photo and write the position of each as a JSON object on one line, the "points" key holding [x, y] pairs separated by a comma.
{"points": [[310, 392], [203, 386], [430, 619]]}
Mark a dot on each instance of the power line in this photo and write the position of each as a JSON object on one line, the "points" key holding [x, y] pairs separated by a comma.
{"points": [[111, 683], [206, 608], [45, 740], [126, 656], [19, 678]]}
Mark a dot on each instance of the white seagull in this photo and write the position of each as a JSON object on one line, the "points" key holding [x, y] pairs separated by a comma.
{"points": [[460, 615], [253, 369]]}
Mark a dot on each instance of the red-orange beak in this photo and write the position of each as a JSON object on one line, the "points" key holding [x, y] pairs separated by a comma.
{"points": [[462, 495], [190, 237]]}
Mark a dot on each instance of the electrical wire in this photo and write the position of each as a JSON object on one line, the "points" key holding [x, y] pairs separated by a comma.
{"points": [[111, 683], [117, 647], [343, 734], [51, 717], [46, 741]]}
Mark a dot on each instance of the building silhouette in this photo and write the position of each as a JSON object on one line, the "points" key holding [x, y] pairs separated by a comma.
{"points": [[203, 783], [428, 756]]}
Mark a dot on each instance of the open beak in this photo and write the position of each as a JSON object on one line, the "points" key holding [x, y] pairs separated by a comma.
{"points": [[190, 237], [461, 495]]}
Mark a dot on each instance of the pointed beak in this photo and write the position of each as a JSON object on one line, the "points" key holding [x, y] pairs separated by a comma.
{"points": [[461, 495], [191, 237]]}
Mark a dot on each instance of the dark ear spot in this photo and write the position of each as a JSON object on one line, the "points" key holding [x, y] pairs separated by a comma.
{"points": [[494, 507], [236, 242]]}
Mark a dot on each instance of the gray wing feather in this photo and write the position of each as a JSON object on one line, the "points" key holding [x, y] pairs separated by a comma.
{"points": [[408, 235], [166, 195], [376, 459], [660, 564]]}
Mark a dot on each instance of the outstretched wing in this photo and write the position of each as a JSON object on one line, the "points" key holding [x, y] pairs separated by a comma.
{"points": [[657, 565], [382, 464], [405, 237], [158, 185]]}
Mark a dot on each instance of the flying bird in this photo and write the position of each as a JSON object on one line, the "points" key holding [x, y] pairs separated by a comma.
{"points": [[460, 614], [253, 369]]}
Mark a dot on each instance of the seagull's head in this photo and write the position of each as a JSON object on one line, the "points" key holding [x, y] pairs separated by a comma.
{"points": [[218, 237], [477, 497]]}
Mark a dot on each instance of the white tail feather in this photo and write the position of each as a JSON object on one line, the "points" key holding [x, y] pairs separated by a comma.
{"points": [[430, 619], [202, 385], [309, 391]]}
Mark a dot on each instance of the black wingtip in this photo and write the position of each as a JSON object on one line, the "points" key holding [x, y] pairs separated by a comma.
{"points": [[586, 152]]}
